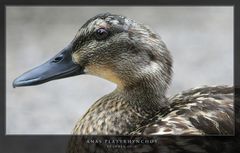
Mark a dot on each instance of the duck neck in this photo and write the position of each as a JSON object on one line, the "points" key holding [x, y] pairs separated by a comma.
{"points": [[125, 109], [147, 96]]}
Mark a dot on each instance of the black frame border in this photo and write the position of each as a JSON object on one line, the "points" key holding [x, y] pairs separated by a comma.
{"points": [[42, 143]]}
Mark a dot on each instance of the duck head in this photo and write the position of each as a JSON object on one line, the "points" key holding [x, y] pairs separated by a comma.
{"points": [[109, 46]]}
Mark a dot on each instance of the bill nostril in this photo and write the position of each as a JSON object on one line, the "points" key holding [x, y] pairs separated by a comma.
{"points": [[58, 59]]}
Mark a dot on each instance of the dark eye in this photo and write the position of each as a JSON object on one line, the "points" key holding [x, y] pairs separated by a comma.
{"points": [[101, 34]]}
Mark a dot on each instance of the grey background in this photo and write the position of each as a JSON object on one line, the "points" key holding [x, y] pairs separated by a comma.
{"points": [[199, 38]]}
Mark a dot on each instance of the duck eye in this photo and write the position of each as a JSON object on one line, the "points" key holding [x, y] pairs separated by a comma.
{"points": [[101, 34]]}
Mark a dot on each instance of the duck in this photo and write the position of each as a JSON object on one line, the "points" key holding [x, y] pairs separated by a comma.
{"points": [[136, 59]]}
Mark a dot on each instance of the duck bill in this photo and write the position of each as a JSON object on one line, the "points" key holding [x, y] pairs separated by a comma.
{"points": [[60, 66]]}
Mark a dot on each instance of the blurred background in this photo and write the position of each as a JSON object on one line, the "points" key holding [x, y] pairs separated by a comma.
{"points": [[199, 38]]}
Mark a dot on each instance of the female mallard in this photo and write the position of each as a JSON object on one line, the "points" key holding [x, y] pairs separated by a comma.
{"points": [[136, 59]]}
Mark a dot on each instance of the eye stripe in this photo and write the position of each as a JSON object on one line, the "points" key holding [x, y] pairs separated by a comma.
{"points": [[113, 24], [101, 34]]}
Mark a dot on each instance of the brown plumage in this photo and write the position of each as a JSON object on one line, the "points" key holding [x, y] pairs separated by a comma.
{"points": [[137, 60], [199, 111]]}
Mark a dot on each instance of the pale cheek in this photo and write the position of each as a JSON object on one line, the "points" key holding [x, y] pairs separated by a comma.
{"points": [[104, 73], [78, 57], [75, 58]]}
